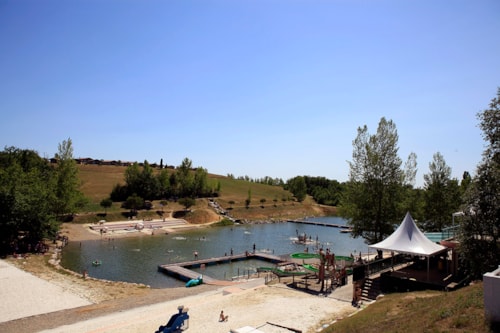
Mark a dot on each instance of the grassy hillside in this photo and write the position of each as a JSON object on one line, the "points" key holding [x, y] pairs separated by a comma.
{"points": [[98, 181], [424, 311]]}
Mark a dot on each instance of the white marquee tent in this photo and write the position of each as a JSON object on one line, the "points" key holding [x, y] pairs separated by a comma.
{"points": [[408, 238]]}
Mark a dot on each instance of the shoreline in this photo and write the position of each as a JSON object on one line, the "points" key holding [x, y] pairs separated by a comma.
{"points": [[77, 232]]}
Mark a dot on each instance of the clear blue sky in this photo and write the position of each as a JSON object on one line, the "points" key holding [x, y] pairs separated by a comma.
{"points": [[249, 87]]}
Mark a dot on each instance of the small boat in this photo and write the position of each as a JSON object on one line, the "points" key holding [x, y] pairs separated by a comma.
{"points": [[96, 263]]}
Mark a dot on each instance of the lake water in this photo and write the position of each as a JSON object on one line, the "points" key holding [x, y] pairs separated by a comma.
{"points": [[136, 259]]}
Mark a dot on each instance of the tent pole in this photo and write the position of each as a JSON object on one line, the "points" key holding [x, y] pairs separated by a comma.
{"points": [[427, 268]]}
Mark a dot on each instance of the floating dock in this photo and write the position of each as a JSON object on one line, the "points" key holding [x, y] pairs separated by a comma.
{"points": [[324, 224], [183, 272]]}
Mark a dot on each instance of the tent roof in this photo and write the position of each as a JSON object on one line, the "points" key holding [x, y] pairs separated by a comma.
{"points": [[407, 238]]}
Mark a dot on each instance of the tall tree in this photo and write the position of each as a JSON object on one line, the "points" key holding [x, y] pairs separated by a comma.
{"points": [[164, 184], [185, 178], [412, 197], [410, 172], [480, 228], [298, 187], [150, 186], [200, 182], [372, 197], [67, 193], [442, 195], [133, 178], [26, 200]]}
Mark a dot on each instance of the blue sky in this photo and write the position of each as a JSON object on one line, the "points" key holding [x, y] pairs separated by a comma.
{"points": [[248, 87]]}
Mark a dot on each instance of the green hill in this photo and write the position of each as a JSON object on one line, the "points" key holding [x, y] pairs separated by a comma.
{"points": [[423, 311], [267, 202]]}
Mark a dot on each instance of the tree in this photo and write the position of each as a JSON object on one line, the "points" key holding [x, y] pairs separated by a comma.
{"points": [[133, 178], [200, 182], [106, 203], [185, 178], [372, 197], [410, 172], [298, 187], [149, 183], [164, 190], [442, 195], [134, 202], [412, 197], [466, 182], [27, 185], [248, 200], [163, 204], [480, 227], [67, 194]]}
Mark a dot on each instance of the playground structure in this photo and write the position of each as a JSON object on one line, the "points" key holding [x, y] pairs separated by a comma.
{"points": [[323, 267], [177, 323]]}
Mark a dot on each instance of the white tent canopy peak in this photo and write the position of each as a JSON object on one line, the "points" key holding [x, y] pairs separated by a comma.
{"points": [[408, 238]]}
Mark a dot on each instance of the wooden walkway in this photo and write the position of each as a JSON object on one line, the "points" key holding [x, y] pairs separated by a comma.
{"points": [[324, 224], [181, 270]]}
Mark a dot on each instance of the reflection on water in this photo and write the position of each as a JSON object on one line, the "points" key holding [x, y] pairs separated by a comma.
{"points": [[136, 259]]}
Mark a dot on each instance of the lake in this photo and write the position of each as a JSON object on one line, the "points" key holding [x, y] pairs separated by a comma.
{"points": [[136, 259]]}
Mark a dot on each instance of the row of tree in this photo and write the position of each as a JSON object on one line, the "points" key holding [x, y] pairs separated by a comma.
{"points": [[324, 191], [431, 206], [380, 190], [35, 196], [147, 184], [480, 229]]}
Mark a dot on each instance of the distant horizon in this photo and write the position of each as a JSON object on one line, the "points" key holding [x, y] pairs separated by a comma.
{"points": [[165, 166]]}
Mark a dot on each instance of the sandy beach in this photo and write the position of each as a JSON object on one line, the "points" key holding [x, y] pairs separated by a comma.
{"points": [[70, 304]]}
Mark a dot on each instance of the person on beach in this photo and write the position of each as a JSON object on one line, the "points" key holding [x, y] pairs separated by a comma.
{"points": [[223, 317]]}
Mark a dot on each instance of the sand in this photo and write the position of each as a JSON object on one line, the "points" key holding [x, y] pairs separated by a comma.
{"points": [[253, 307], [24, 295]]}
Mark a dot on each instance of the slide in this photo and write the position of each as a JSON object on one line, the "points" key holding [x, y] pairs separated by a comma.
{"points": [[311, 268], [304, 255], [194, 282]]}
